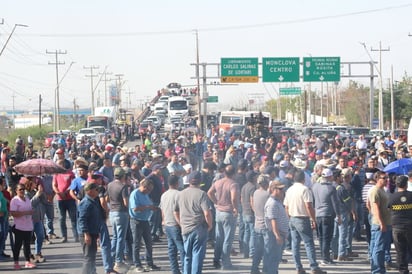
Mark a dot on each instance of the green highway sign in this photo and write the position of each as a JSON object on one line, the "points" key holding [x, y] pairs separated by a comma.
{"points": [[212, 99], [239, 70], [285, 69], [290, 91], [321, 69]]}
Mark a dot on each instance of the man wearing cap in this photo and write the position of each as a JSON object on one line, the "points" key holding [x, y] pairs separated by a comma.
{"points": [[381, 225], [299, 205], [65, 202], [258, 202], [155, 194], [401, 207], [140, 209], [88, 226], [224, 194], [78, 183], [119, 200], [168, 203], [277, 223], [246, 199], [326, 209], [341, 240], [195, 218]]}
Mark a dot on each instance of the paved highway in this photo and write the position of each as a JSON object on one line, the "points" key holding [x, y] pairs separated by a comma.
{"points": [[66, 258]]}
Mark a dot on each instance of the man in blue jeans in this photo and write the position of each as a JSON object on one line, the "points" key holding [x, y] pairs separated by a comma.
{"points": [[299, 205], [381, 228], [277, 222], [140, 210], [195, 218], [168, 203], [224, 195], [119, 217]]}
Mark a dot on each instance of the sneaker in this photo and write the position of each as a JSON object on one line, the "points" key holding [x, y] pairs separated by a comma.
{"points": [[140, 269], [301, 271], [217, 265], [63, 240], [391, 266], [353, 254], [29, 265], [287, 252], [318, 271], [53, 236], [47, 242], [326, 262], [344, 259], [121, 267], [40, 258], [4, 255], [17, 266], [152, 267], [32, 258]]}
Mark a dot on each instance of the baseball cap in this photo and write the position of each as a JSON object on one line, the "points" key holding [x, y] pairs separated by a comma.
{"points": [[157, 167], [284, 163], [277, 184], [119, 172], [90, 186], [194, 178], [327, 172], [268, 170], [346, 172], [60, 151]]}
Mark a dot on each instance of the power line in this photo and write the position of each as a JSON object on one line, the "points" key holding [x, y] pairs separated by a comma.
{"points": [[215, 29]]}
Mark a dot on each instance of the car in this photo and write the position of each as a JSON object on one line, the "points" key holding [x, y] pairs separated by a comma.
{"points": [[52, 137], [143, 128], [164, 99], [329, 134], [155, 121], [86, 133]]}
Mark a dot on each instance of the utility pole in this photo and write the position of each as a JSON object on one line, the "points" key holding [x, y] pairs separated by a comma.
{"points": [[91, 82], [129, 93], [40, 101], [14, 114], [119, 88], [392, 102], [74, 112], [380, 98], [105, 85], [56, 111], [199, 108]]}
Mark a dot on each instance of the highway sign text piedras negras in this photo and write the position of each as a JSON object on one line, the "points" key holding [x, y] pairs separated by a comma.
{"points": [[284, 69], [290, 91], [239, 70], [213, 99], [321, 69]]}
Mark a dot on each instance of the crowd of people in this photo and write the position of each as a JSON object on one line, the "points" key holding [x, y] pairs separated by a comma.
{"points": [[197, 190]]}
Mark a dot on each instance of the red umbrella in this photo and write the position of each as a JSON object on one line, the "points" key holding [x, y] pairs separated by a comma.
{"points": [[38, 167]]}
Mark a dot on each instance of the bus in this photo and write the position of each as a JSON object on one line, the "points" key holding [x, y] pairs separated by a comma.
{"points": [[177, 106], [228, 119], [95, 121]]}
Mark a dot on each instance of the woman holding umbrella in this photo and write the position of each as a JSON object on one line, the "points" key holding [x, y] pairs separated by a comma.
{"points": [[21, 210]]}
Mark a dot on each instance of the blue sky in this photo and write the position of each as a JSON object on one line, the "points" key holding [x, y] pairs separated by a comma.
{"points": [[152, 43]]}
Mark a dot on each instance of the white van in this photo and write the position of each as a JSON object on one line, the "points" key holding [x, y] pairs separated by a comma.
{"points": [[160, 107]]}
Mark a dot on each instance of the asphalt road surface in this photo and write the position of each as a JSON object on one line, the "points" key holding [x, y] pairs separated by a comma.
{"points": [[66, 258]]}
